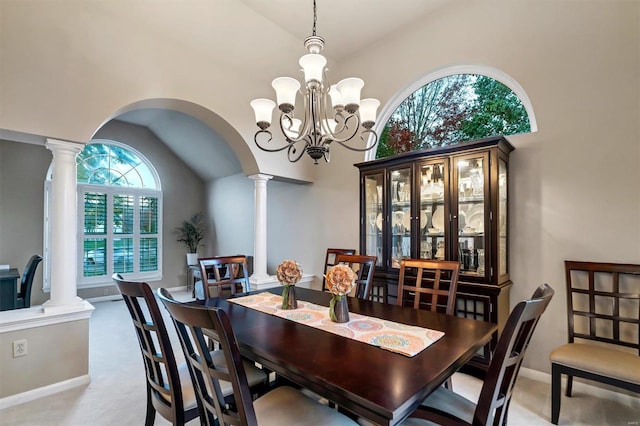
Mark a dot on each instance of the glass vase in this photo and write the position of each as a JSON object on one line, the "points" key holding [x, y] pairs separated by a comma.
{"points": [[338, 309], [289, 297]]}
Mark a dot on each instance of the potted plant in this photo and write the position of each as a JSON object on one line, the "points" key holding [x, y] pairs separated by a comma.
{"points": [[191, 232]]}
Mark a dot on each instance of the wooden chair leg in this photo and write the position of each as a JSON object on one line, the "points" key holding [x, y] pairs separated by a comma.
{"points": [[556, 377], [569, 384]]}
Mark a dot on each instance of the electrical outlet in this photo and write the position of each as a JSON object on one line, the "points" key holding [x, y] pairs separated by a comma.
{"points": [[20, 348]]}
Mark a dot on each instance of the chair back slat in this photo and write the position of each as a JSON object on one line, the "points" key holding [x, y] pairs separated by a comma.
{"points": [[163, 380], [603, 302], [364, 266], [437, 280], [497, 389], [192, 322], [223, 273]]}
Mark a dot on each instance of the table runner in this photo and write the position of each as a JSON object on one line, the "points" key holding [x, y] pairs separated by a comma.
{"points": [[404, 339]]}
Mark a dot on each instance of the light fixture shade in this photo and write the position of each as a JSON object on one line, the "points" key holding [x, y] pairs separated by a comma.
{"points": [[368, 110], [294, 130], [263, 109], [336, 97], [313, 66], [286, 89], [350, 89]]}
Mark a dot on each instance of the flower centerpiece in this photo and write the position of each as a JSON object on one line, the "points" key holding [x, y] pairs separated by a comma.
{"points": [[289, 273], [340, 281]]}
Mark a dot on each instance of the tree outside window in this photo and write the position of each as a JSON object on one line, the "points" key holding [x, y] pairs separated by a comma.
{"points": [[452, 110]]}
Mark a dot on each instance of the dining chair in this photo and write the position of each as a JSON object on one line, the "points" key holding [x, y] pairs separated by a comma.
{"points": [[602, 309], [169, 389], [23, 298], [222, 273], [281, 406], [430, 281], [363, 266], [436, 279], [445, 407], [330, 260]]}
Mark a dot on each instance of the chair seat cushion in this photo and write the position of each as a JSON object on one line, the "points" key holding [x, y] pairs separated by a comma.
{"points": [[599, 360], [255, 375], [287, 406], [447, 401]]}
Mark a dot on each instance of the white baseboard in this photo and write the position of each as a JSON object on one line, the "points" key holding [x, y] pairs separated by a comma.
{"points": [[54, 388], [108, 298]]}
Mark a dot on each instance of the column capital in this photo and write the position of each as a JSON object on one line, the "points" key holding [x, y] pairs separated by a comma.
{"points": [[260, 177], [56, 145]]}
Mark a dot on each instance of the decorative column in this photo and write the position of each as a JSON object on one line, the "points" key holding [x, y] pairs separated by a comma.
{"points": [[63, 253], [260, 275]]}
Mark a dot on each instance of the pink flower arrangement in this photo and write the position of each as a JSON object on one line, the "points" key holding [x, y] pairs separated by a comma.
{"points": [[340, 280], [288, 272]]}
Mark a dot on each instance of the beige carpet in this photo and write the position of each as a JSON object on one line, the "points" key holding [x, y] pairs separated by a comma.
{"points": [[116, 394]]}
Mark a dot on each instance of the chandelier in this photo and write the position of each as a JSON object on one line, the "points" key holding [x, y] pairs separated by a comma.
{"points": [[331, 113]]}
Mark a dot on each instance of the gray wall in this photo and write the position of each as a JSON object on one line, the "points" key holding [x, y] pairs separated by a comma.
{"points": [[23, 169]]}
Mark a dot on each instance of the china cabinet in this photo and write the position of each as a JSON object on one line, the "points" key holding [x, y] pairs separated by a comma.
{"points": [[446, 203]]}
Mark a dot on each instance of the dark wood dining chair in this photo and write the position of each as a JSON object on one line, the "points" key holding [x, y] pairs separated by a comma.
{"points": [[363, 266], [445, 407], [280, 406], [169, 388], [222, 273], [23, 298], [602, 308], [330, 260], [437, 280]]}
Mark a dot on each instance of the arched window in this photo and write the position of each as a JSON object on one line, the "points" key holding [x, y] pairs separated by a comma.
{"points": [[452, 109], [119, 215]]}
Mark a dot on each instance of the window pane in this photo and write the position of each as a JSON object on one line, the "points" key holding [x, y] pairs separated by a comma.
{"points": [[123, 255], [148, 254], [148, 215], [95, 213], [123, 214], [93, 257], [113, 165]]}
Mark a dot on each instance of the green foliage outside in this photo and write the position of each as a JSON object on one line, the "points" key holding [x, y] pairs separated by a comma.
{"points": [[452, 110]]}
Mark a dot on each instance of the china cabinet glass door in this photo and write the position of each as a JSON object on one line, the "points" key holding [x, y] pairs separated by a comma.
{"points": [[502, 217], [471, 214], [400, 215], [374, 214], [433, 213]]}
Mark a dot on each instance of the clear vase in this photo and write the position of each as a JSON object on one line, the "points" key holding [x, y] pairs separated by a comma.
{"points": [[338, 309], [289, 297]]}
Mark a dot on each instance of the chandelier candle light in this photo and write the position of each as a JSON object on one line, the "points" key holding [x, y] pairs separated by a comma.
{"points": [[331, 113]]}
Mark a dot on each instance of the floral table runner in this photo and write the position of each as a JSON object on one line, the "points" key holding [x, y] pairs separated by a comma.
{"points": [[401, 338]]}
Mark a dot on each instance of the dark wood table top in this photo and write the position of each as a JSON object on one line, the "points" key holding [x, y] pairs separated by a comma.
{"points": [[383, 386]]}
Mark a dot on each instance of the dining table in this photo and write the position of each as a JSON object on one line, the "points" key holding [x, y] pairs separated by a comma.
{"points": [[383, 386]]}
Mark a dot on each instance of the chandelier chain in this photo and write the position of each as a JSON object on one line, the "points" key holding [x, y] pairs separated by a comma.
{"points": [[315, 17]]}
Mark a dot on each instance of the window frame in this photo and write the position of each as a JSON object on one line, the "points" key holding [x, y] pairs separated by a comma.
{"points": [[137, 193]]}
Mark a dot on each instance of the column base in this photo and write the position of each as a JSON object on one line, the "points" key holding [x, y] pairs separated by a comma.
{"points": [[56, 307]]}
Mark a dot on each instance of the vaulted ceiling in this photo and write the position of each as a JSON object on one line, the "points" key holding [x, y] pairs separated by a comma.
{"points": [[347, 27]]}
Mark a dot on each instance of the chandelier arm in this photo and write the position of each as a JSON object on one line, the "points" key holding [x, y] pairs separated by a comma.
{"points": [[344, 126], [267, 132], [364, 133], [292, 153], [290, 140]]}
